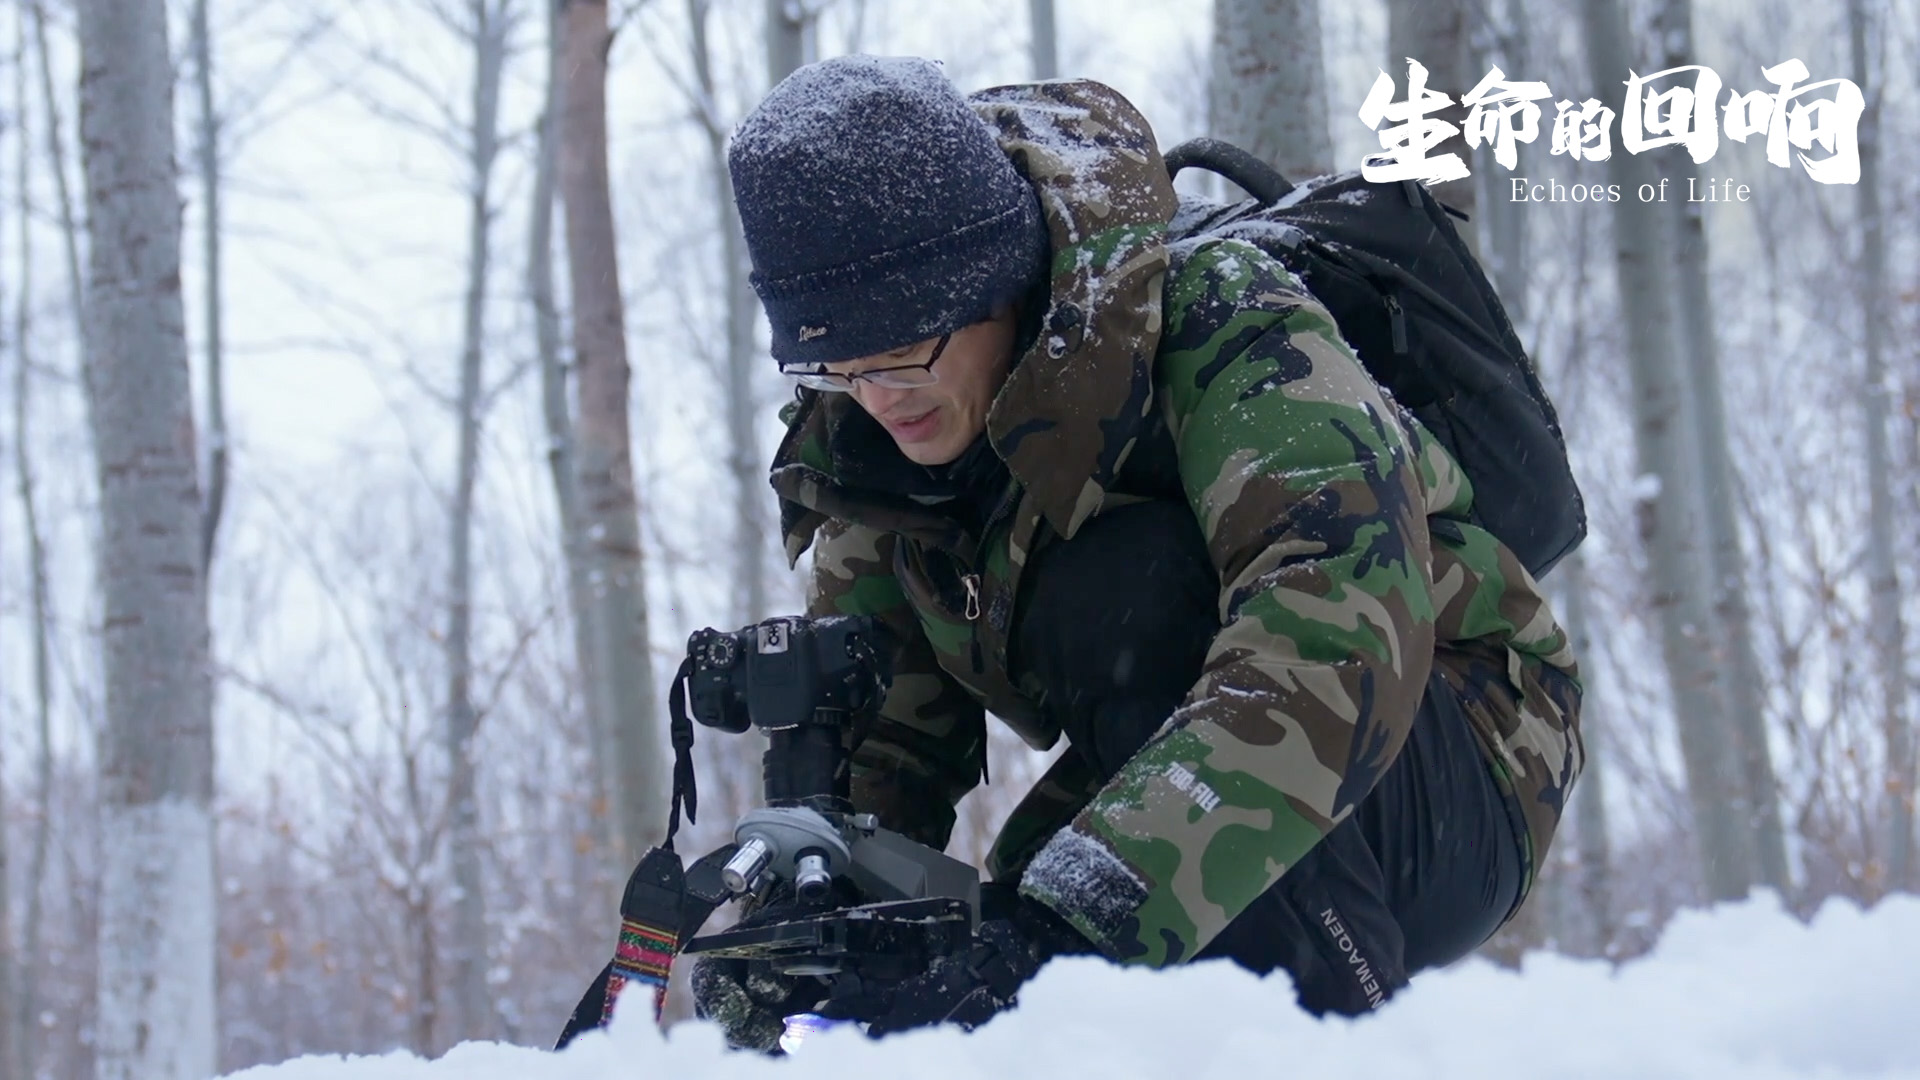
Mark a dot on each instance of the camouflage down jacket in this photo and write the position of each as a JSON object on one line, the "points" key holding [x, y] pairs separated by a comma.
{"points": [[1314, 491]]}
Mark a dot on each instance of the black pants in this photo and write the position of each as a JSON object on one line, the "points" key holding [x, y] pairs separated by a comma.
{"points": [[1116, 624]]}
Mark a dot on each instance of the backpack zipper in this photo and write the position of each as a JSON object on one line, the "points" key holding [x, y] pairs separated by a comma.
{"points": [[1399, 322], [972, 584]]}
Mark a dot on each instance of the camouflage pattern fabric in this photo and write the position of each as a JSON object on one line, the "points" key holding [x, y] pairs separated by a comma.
{"points": [[1315, 493]]}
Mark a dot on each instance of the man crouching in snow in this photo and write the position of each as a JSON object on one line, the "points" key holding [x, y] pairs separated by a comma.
{"points": [[1138, 493]]}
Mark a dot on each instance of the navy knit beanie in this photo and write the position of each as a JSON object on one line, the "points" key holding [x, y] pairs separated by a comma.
{"points": [[878, 209]]}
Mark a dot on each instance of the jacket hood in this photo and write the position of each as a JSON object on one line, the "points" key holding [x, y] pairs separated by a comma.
{"points": [[1071, 409]]}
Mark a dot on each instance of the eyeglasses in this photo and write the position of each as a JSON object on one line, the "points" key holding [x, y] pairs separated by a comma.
{"points": [[901, 377]]}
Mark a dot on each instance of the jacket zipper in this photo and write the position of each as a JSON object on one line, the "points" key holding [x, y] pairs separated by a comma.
{"points": [[971, 579]]}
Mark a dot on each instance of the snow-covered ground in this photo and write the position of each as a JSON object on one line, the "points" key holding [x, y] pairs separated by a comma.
{"points": [[1742, 992]]}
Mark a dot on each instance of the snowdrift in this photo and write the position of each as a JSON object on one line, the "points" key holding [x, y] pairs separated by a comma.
{"points": [[1744, 991]]}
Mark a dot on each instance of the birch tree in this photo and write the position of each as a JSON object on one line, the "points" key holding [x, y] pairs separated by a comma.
{"points": [[23, 992], [1592, 845], [787, 32], [639, 782], [1574, 596], [1885, 628], [26, 998], [1667, 495], [1043, 44], [57, 158], [12, 1035], [1502, 226], [557, 418], [156, 991], [208, 152], [1438, 33], [786, 44], [1267, 92], [1744, 683], [472, 1016]]}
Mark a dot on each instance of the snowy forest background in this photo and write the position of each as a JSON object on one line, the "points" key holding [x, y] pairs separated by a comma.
{"points": [[399, 474]]}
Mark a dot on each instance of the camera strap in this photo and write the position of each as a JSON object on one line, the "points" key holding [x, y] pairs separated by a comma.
{"points": [[662, 908], [649, 929], [680, 729]]}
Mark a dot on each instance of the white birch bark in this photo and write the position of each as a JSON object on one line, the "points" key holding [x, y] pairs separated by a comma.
{"points": [[1669, 523], [155, 1011], [1744, 682], [1886, 629], [1267, 91], [609, 505], [471, 1014]]}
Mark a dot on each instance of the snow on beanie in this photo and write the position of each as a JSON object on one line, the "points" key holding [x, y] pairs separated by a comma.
{"points": [[879, 210]]}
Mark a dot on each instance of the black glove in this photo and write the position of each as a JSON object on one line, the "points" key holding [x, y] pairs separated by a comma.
{"points": [[1015, 937], [748, 998]]}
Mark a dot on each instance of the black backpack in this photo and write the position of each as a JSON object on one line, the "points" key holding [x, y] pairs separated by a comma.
{"points": [[1411, 300]]}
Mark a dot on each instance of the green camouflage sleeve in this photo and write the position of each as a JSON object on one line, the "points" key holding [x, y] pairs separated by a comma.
{"points": [[925, 749], [1300, 475]]}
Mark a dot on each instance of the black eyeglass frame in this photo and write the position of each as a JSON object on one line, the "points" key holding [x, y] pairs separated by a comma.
{"points": [[837, 382]]}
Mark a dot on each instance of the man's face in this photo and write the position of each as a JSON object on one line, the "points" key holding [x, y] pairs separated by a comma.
{"points": [[934, 424]]}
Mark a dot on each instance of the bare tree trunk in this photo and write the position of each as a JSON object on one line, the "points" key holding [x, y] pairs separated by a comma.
{"points": [[12, 1034], [559, 426], [786, 33], [1668, 462], [472, 1016], [786, 37], [1267, 91], [1044, 44], [609, 505], [21, 987], [156, 994], [1438, 33], [1744, 682], [1590, 837], [57, 154], [210, 246], [426, 1004], [26, 992], [1502, 226], [1883, 580]]}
